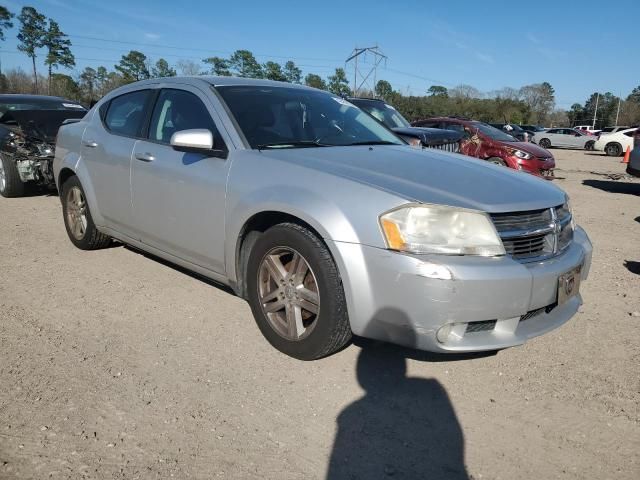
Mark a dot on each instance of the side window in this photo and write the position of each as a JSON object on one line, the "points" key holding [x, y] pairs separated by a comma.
{"points": [[177, 110], [630, 133], [552, 131], [125, 114]]}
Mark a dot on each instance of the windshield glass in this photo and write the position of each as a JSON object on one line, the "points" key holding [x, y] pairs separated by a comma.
{"points": [[384, 113], [282, 117], [492, 132]]}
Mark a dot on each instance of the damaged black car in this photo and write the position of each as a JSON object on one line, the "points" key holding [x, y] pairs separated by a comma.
{"points": [[28, 128]]}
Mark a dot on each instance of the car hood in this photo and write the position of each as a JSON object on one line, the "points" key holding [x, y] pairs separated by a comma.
{"points": [[40, 124], [531, 148], [430, 136], [429, 176]]}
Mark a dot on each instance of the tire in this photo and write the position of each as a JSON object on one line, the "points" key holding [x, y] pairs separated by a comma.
{"points": [[545, 143], [10, 183], [589, 145], [613, 149], [77, 218], [297, 295], [497, 161]]}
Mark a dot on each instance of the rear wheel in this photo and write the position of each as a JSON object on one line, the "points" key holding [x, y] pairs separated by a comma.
{"points": [[545, 143], [295, 293], [10, 183], [77, 218], [589, 145], [613, 149]]}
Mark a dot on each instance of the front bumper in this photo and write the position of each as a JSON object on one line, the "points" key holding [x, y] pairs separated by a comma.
{"points": [[406, 299], [541, 168]]}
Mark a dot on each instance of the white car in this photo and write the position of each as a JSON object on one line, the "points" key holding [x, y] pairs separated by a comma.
{"points": [[615, 144], [564, 137], [608, 130]]}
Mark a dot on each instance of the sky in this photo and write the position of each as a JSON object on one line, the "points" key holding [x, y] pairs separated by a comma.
{"points": [[580, 47]]}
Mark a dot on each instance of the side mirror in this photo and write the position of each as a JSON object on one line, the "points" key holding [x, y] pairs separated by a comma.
{"points": [[196, 140]]}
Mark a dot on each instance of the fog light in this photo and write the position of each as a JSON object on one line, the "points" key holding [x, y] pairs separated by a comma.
{"points": [[443, 332]]}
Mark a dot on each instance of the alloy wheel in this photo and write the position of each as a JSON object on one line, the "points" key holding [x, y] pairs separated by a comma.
{"points": [[288, 293], [76, 213]]}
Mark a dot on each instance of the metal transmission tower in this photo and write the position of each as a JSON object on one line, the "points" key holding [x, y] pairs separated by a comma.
{"points": [[378, 57]]}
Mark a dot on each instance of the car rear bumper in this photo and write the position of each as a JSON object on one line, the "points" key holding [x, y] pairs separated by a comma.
{"points": [[485, 303]]}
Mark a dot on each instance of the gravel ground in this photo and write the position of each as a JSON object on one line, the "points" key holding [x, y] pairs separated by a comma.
{"points": [[115, 365]]}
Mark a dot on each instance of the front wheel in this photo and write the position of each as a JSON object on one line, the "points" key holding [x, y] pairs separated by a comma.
{"points": [[295, 293], [77, 218], [545, 143], [10, 183]]}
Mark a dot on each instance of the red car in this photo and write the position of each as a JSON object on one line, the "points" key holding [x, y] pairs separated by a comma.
{"points": [[488, 143]]}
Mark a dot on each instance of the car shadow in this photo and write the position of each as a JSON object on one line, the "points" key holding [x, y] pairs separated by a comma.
{"points": [[633, 267], [402, 427], [614, 186], [637, 219]]}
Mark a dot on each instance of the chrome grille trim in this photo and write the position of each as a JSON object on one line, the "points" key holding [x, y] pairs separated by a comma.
{"points": [[535, 234], [447, 147]]}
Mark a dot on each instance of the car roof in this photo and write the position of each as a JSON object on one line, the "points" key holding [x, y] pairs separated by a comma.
{"points": [[219, 81]]}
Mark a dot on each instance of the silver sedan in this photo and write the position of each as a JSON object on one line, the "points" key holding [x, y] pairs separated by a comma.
{"points": [[322, 219], [564, 137]]}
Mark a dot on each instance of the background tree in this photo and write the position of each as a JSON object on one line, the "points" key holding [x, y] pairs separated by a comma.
{"points": [[219, 66], [133, 67], [338, 83], [634, 96], [189, 67], [273, 71], [383, 89], [607, 108], [292, 73], [243, 64], [438, 90], [88, 84], [162, 69], [5, 21], [58, 50], [464, 92], [65, 86], [540, 97], [33, 29], [315, 81]]}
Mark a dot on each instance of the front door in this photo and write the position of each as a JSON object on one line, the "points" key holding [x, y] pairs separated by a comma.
{"points": [[178, 198]]}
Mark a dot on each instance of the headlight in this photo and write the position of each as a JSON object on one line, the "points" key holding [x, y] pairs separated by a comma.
{"points": [[437, 229], [520, 154]]}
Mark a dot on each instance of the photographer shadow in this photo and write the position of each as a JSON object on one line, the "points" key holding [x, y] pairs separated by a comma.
{"points": [[402, 427]]}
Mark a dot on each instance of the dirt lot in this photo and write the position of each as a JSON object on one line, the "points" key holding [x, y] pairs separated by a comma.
{"points": [[114, 365]]}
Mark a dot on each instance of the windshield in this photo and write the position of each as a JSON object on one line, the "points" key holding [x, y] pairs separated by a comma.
{"points": [[282, 117], [385, 114], [492, 132]]}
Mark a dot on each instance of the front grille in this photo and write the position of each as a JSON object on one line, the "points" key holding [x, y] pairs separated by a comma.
{"points": [[534, 234], [532, 313], [447, 147], [480, 326]]}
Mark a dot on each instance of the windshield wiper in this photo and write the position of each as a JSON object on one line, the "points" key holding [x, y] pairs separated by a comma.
{"points": [[372, 142], [294, 144]]}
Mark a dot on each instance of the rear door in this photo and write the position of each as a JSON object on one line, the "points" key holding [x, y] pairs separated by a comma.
{"points": [[106, 149], [178, 198]]}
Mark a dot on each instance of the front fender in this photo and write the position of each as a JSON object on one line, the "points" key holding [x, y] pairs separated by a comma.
{"points": [[322, 214]]}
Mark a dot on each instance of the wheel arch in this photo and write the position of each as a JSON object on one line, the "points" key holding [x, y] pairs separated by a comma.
{"points": [[251, 229]]}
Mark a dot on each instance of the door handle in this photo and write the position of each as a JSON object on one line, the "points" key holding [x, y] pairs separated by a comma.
{"points": [[90, 143], [145, 157]]}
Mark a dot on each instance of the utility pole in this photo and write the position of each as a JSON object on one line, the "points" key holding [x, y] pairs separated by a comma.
{"points": [[378, 57], [618, 112], [595, 113]]}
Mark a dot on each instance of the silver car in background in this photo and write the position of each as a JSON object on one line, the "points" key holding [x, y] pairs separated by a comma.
{"points": [[320, 217]]}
